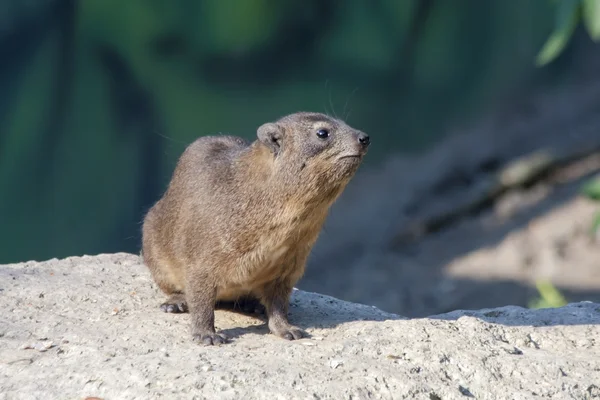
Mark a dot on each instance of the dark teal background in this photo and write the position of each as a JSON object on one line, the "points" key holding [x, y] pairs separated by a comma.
{"points": [[99, 97]]}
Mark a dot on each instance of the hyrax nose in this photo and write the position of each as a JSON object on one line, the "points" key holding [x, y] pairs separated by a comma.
{"points": [[364, 139]]}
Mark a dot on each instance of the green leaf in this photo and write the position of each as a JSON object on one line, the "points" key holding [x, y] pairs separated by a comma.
{"points": [[596, 224], [550, 297], [567, 18], [591, 18], [592, 189]]}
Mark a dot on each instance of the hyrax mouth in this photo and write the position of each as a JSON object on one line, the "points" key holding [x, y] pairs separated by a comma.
{"points": [[355, 156]]}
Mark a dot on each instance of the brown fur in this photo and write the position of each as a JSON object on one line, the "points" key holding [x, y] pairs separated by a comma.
{"points": [[238, 220]]}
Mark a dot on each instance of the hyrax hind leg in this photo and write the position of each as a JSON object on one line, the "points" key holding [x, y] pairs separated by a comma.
{"points": [[167, 282], [166, 279], [166, 274], [175, 304]]}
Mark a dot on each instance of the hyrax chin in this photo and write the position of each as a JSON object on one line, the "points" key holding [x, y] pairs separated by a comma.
{"points": [[238, 219]]}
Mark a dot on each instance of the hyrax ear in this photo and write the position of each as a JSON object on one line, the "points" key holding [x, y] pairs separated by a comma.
{"points": [[271, 135]]}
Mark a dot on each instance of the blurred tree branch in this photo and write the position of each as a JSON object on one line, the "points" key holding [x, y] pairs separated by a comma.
{"points": [[404, 58], [407, 52], [521, 173]]}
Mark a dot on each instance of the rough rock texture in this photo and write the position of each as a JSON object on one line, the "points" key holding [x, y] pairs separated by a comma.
{"points": [[91, 326]]}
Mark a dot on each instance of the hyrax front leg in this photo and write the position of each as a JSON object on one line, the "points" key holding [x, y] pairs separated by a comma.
{"points": [[276, 298], [201, 295]]}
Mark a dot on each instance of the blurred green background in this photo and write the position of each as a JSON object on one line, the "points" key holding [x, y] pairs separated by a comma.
{"points": [[99, 97]]}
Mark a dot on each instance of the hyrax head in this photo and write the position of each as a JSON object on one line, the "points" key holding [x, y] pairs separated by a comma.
{"points": [[314, 146]]}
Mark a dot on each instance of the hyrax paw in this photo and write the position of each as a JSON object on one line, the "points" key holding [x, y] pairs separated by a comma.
{"points": [[253, 308], [210, 339], [291, 333], [175, 308]]}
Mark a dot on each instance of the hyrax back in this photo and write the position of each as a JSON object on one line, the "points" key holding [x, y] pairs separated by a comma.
{"points": [[238, 220]]}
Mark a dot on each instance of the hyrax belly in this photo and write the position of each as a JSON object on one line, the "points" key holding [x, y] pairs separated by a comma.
{"points": [[254, 270]]}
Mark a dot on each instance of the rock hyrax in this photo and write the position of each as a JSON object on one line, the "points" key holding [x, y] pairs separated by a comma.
{"points": [[239, 219]]}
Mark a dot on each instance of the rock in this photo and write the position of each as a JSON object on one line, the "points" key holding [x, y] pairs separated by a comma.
{"points": [[39, 346], [355, 352]]}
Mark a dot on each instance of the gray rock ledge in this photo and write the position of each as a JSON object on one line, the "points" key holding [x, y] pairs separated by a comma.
{"points": [[91, 326]]}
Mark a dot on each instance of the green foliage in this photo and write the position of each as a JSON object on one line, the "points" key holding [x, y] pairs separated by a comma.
{"points": [[596, 224], [99, 99], [591, 189], [591, 18], [568, 15], [567, 19], [549, 296]]}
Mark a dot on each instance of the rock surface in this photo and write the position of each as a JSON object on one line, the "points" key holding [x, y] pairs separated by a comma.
{"points": [[91, 326]]}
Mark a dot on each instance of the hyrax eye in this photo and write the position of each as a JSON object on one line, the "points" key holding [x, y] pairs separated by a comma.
{"points": [[323, 133]]}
